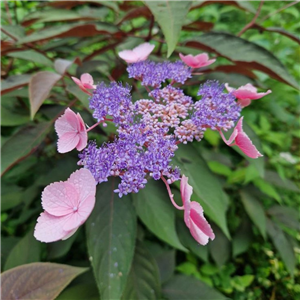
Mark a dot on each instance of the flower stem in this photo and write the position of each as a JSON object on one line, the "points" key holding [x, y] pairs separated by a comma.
{"points": [[170, 194]]}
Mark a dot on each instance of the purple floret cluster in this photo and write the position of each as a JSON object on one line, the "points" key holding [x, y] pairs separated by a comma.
{"points": [[150, 130]]}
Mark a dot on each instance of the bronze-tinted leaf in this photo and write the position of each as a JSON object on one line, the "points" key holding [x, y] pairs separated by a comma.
{"points": [[37, 281], [14, 82], [62, 65], [40, 86]]}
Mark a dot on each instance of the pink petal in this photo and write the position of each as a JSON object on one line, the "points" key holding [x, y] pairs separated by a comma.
{"points": [[86, 78], [228, 88], [50, 228], [142, 51], [84, 183], [129, 56], [78, 217], [80, 84], [59, 198], [82, 133], [186, 191], [198, 235], [244, 143], [189, 60], [197, 217], [244, 102], [232, 137], [67, 142], [66, 123]]}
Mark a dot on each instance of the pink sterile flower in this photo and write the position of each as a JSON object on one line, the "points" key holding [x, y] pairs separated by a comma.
{"points": [[246, 93], [240, 138], [137, 54], [193, 215], [67, 205], [85, 82], [71, 132], [198, 61]]}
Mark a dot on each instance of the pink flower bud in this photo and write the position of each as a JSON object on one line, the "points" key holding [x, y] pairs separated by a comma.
{"points": [[86, 82]]}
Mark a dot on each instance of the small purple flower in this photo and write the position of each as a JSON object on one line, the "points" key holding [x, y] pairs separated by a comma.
{"points": [[215, 109]]}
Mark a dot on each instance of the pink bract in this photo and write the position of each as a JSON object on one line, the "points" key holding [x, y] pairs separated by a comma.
{"points": [[137, 54], [240, 139], [246, 93], [198, 61], [85, 82], [67, 205], [71, 132], [193, 215]]}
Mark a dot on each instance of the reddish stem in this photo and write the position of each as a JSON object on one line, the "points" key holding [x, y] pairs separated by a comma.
{"points": [[170, 194]]}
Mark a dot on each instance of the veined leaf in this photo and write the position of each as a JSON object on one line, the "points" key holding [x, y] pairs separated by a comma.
{"points": [[37, 280], [170, 16], [111, 232]]}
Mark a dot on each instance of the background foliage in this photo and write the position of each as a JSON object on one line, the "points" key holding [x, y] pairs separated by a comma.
{"points": [[139, 247]]}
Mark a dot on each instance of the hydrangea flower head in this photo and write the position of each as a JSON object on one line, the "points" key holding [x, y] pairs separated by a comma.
{"points": [[198, 61], [246, 93], [71, 132], [67, 205], [137, 54]]}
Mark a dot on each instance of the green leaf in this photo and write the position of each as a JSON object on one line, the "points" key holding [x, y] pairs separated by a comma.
{"points": [[37, 280], [219, 168], [189, 242], [154, 208], [254, 210], [250, 54], [143, 279], [32, 55], [111, 232], [27, 250], [61, 248], [267, 189], [14, 82], [219, 248], [40, 86], [273, 178], [80, 95], [205, 185], [243, 238], [21, 144], [182, 287], [283, 245], [11, 196], [241, 282], [80, 292], [170, 16], [285, 215]]}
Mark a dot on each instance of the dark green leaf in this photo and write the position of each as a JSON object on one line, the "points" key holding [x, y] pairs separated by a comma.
{"points": [[254, 210], [156, 211], [79, 292], [111, 232], [182, 287], [220, 247], [251, 55], [170, 16], [206, 186], [283, 245], [37, 280], [61, 248], [11, 196], [24, 142], [285, 215], [143, 279], [273, 178], [243, 238], [26, 251], [189, 242]]}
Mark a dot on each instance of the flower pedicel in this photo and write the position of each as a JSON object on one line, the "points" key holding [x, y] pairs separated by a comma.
{"points": [[148, 133]]}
